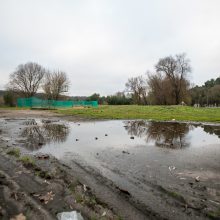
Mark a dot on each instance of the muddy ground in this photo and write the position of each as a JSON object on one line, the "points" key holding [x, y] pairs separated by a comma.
{"points": [[40, 186]]}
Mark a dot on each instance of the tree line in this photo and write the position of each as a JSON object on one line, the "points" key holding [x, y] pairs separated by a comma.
{"points": [[28, 78], [207, 94], [168, 84]]}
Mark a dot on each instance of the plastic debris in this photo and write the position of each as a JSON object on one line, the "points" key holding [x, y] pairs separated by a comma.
{"points": [[104, 214], [172, 168], [197, 179], [74, 215]]}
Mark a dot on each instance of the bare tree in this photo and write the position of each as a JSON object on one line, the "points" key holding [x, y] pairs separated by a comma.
{"points": [[157, 89], [55, 83], [137, 86], [175, 70], [26, 79]]}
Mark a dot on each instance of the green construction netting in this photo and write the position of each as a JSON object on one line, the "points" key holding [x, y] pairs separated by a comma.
{"points": [[34, 102]]}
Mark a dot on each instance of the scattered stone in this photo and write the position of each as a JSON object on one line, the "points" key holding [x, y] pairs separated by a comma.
{"points": [[197, 179], [43, 156], [132, 137], [77, 139], [46, 198], [125, 152], [86, 188], [106, 135], [123, 191], [96, 138]]}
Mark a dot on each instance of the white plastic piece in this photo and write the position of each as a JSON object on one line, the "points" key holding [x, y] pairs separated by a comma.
{"points": [[74, 215]]}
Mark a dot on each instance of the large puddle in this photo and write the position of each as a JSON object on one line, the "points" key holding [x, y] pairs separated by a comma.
{"points": [[138, 156], [127, 145], [60, 139]]}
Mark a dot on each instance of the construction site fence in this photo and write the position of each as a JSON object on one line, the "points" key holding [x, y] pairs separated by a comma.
{"points": [[34, 102]]}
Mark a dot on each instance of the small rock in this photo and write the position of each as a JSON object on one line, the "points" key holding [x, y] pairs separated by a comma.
{"points": [[124, 191], [96, 138], [103, 214], [132, 137], [43, 156], [125, 152], [106, 135], [77, 139], [197, 179]]}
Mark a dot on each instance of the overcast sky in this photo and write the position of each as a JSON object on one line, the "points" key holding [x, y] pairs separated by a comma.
{"points": [[101, 43]]}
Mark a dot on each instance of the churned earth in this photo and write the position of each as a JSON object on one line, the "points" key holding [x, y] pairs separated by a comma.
{"points": [[118, 169]]}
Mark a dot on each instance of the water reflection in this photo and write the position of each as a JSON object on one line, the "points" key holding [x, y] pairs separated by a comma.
{"points": [[212, 130], [169, 135], [38, 135]]}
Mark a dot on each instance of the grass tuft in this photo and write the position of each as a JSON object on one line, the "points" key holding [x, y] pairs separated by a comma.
{"points": [[14, 152], [27, 161]]}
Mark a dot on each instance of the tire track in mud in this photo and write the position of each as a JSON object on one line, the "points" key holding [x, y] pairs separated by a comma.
{"points": [[13, 198], [159, 203]]}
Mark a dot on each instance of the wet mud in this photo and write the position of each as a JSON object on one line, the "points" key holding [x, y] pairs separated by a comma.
{"points": [[109, 169]]}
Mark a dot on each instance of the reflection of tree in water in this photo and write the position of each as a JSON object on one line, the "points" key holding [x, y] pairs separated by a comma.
{"points": [[212, 129], [36, 136], [136, 128], [169, 135]]}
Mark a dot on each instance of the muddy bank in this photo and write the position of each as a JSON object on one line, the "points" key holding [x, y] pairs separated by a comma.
{"points": [[148, 181], [40, 187]]}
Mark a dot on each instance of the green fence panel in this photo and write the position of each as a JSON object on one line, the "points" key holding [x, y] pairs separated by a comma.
{"points": [[34, 102]]}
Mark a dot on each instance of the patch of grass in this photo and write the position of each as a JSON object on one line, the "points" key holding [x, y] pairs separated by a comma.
{"points": [[176, 196], [173, 194], [160, 113], [14, 152], [43, 174], [72, 186], [79, 198], [91, 201], [27, 161], [13, 108], [214, 214]]}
